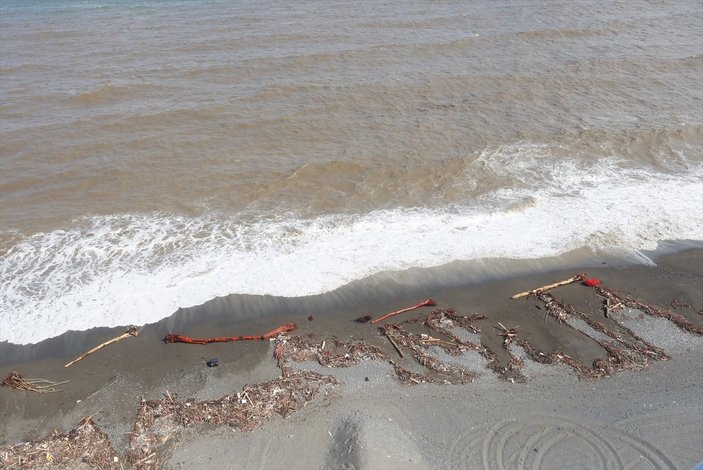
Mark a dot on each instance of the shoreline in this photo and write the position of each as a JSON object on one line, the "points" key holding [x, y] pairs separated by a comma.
{"points": [[110, 381], [372, 293]]}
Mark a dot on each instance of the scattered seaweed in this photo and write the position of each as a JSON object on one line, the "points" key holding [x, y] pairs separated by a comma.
{"points": [[85, 446]]}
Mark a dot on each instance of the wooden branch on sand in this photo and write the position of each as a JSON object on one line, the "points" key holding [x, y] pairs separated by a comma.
{"points": [[395, 345], [571, 280], [132, 331], [424, 303], [269, 335]]}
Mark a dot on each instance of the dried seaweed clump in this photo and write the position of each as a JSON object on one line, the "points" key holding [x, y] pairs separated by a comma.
{"points": [[334, 353], [84, 447], [158, 421]]}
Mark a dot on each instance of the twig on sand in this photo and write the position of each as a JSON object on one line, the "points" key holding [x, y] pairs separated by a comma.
{"points": [[268, 335], [571, 280], [132, 331], [424, 303], [677, 304], [395, 345]]}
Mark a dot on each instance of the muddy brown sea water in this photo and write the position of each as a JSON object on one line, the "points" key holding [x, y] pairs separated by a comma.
{"points": [[156, 155]]}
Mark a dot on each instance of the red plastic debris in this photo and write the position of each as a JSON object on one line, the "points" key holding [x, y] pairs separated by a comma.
{"points": [[591, 282]]}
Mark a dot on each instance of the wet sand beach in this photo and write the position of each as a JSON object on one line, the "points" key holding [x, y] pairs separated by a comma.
{"points": [[649, 418]]}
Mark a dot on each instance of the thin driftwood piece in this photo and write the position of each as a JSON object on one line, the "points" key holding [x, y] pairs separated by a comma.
{"points": [[268, 335], [395, 345], [132, 331], [424, 303], [571, 280]]}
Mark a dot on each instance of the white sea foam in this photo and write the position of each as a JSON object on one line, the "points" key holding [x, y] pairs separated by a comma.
{"points": [[136, 269]]}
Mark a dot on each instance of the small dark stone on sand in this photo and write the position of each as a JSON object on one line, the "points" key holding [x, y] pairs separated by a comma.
{"points": [[310, 318], [366, 379]]}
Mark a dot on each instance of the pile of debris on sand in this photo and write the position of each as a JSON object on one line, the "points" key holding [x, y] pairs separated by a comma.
{"points": [[159, 421], [84, 447]]}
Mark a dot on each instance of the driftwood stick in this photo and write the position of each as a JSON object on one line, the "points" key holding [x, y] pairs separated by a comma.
{"points": [[424, 303], [571, 280], [395, 345], [268, 335], [132, 331]]}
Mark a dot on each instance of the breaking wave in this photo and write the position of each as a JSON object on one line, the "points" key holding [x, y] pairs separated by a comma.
{"points": [[139, 268]]}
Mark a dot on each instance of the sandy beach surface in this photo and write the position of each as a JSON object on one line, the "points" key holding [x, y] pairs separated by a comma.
{"points": [[647, 412]]}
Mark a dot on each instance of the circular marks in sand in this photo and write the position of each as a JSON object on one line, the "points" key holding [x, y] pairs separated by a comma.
{"points": [[548, 441]]}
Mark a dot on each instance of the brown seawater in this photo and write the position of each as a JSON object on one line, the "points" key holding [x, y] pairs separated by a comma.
{"points": [[155, 154]]}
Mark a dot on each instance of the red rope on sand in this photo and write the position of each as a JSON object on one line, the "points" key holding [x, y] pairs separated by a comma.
{"points": [[424, 303], [185, 339]]}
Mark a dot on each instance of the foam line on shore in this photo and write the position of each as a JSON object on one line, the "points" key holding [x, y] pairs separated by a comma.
{"points": [[139, 268]]}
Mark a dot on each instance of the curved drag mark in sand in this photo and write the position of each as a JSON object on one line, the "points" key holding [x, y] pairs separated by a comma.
{"points": [[539, 442]]}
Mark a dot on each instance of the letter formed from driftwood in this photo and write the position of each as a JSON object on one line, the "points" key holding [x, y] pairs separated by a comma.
{"points": [[132, 331]]}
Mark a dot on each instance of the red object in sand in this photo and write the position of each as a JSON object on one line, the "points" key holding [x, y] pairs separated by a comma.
{"points": [[424, 303], [591, 282], [185, 339]]}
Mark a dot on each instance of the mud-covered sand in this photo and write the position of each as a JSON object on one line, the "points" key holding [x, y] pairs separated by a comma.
{"points": [[650, 418]]}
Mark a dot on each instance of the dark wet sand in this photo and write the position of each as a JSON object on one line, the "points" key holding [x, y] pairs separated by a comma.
{"points": [[111, 382]]}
